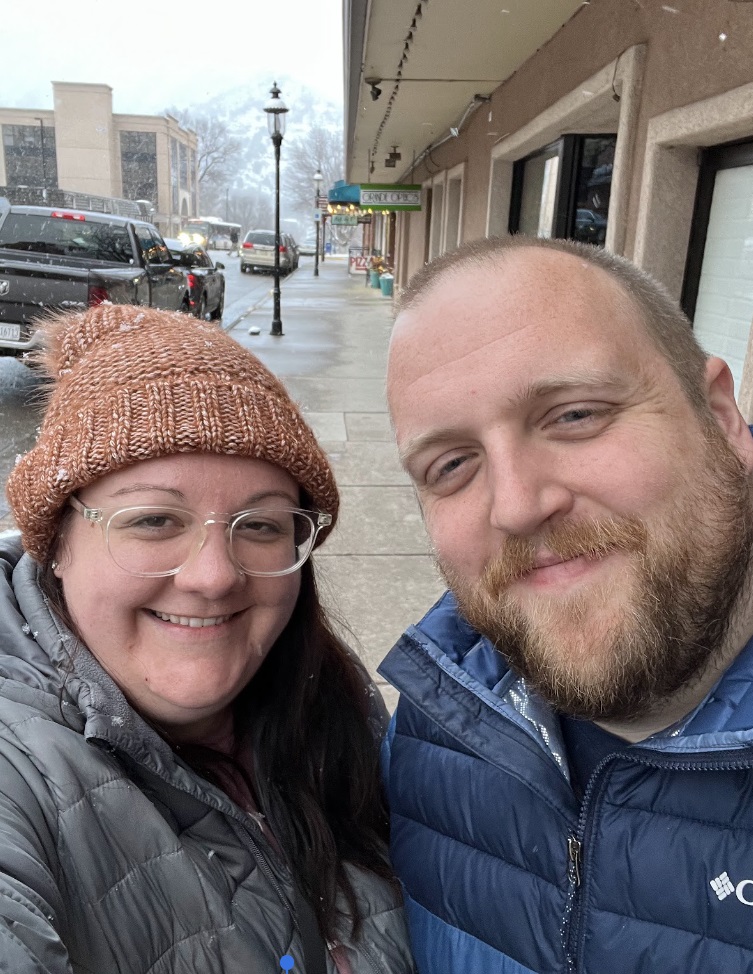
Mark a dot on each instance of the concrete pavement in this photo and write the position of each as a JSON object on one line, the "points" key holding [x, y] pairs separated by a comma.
{"points": [[375, 569]]}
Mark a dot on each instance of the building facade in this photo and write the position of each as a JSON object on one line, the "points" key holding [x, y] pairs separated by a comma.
{"points": [[624, 123], [83, 147]]}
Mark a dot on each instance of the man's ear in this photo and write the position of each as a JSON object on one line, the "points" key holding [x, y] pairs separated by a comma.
{"points": [[720, 390]]}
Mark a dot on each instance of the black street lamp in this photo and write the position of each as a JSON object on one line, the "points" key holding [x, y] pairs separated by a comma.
{"points": [[317, 186], [276, 110]]}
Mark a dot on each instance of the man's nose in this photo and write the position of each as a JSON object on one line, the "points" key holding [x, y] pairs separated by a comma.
{"points": [[526, 487]]}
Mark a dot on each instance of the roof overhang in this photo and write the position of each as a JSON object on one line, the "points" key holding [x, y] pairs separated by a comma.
{"points": [[429, 60]]}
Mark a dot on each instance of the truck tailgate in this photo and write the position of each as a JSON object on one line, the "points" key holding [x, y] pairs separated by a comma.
{"points": [[28, 288]]}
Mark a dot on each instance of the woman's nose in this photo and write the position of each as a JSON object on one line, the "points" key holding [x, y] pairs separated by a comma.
{"points": [[210, 568]]}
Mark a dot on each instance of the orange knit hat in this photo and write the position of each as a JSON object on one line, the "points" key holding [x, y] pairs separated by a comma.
{"points": [[130, 384]]}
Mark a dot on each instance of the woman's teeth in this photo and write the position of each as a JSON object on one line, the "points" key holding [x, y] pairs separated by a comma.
{"points": [[193, 621]]}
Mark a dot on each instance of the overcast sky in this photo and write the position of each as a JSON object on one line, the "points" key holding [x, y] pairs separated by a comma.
{"points": [[154, 54]]}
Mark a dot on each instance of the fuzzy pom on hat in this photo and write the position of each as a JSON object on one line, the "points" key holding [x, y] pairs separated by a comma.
{"points": [[131, 383]]}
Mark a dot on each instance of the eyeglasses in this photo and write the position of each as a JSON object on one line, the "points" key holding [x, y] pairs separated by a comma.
{"points": [[155, 541]]}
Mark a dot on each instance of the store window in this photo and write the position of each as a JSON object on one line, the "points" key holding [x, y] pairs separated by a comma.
{"points": [[437, 213], [718, 288], [563, 189], [454, 212]]}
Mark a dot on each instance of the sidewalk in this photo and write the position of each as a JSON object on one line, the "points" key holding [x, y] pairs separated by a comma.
{"points": [[375, 569]]}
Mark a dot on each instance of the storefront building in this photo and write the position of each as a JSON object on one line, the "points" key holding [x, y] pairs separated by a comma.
{"points": [[624, 123]]}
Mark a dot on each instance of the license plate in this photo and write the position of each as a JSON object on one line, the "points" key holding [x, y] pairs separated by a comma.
{"points": [[10, 332]]}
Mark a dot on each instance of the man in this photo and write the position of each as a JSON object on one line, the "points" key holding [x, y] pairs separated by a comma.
{"points": [[570, 766]]}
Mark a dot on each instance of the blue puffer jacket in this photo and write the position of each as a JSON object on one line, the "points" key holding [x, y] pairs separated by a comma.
{"points": [[506, 872]]}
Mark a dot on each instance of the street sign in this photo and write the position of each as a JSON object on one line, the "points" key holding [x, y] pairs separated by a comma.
{"points": [[317, 215], [322, 202]]}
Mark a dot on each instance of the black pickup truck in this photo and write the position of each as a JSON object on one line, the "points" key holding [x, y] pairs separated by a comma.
{"points": [[57, 259]]}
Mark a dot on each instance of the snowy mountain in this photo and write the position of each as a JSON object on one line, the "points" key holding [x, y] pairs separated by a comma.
{"points": [[242, 109]]}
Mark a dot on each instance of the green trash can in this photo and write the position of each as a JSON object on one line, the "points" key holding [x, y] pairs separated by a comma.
{"points": [[387, 283], [374, 278]]}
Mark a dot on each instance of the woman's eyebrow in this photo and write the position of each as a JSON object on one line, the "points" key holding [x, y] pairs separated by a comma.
{"points": [[250, 501], [136, 488]]}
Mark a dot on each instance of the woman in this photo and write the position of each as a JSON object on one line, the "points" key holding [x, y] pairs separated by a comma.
{"points": [[188, 754]]}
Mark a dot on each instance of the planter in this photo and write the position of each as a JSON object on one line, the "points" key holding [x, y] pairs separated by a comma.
{"points": [[374, 278], [387, 283]]}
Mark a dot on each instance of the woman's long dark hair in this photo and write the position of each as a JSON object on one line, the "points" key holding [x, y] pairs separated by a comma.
{"points": [[316, 757], [308, 712]]}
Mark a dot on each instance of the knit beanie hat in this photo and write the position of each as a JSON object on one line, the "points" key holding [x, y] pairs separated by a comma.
{"points": [[132, 383]]}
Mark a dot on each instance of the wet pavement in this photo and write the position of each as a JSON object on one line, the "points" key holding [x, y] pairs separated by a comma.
{"points": [[375, 569]]}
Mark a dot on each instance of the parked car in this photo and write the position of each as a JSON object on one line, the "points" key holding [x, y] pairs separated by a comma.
{"points": [[258, 252], [293, 248], [56, 258], [308, 247], [205, 280]]}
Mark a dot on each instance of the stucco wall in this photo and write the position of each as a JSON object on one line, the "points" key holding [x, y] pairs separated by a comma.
{"points": [[686, 61]]}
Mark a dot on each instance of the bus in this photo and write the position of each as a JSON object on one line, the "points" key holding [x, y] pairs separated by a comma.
{"points": [[211, 233]]}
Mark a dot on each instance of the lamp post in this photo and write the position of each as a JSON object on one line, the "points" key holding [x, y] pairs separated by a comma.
{"points": [[317, 184], [276, 110]]}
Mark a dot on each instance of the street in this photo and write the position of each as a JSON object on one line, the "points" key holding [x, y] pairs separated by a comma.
{"points": [[20, 389]]}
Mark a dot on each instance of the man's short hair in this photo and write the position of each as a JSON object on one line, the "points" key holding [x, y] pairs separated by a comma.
{"points": [[666, 324]]}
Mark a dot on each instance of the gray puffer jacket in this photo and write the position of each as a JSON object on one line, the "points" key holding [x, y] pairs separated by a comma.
{"points": [[114, 856]]}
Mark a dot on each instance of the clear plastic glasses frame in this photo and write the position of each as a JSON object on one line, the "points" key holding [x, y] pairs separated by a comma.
{"points": [[195, 535]]}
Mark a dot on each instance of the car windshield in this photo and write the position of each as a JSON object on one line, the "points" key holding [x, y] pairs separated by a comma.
{"points": [[62, 237]]}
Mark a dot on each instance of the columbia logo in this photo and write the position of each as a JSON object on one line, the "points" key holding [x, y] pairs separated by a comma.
{"points": [[722, 886]]}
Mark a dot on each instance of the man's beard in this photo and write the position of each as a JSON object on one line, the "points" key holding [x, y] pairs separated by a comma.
{"points": [[617, 649]]}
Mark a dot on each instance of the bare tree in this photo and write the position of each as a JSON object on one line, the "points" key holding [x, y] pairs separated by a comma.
{"points": [[217, 149], [318, 148], [252, 209]]}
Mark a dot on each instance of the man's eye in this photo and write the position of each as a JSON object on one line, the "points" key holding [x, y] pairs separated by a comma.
{"points": [[576, 415], [449, 471], [451, 465]]}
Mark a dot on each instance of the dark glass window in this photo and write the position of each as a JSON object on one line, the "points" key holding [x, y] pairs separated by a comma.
{"points": [[30, 155], [138, 163], [183, 166], [593, 187], [174, 175], [93, 240], [563, 189]]}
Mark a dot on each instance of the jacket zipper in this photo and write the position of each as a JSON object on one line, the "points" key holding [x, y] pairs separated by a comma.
{"points": [[577, 845]]}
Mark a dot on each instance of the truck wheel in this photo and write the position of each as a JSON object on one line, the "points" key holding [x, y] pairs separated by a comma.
{"points": [[201, 311], [185, 308]]}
